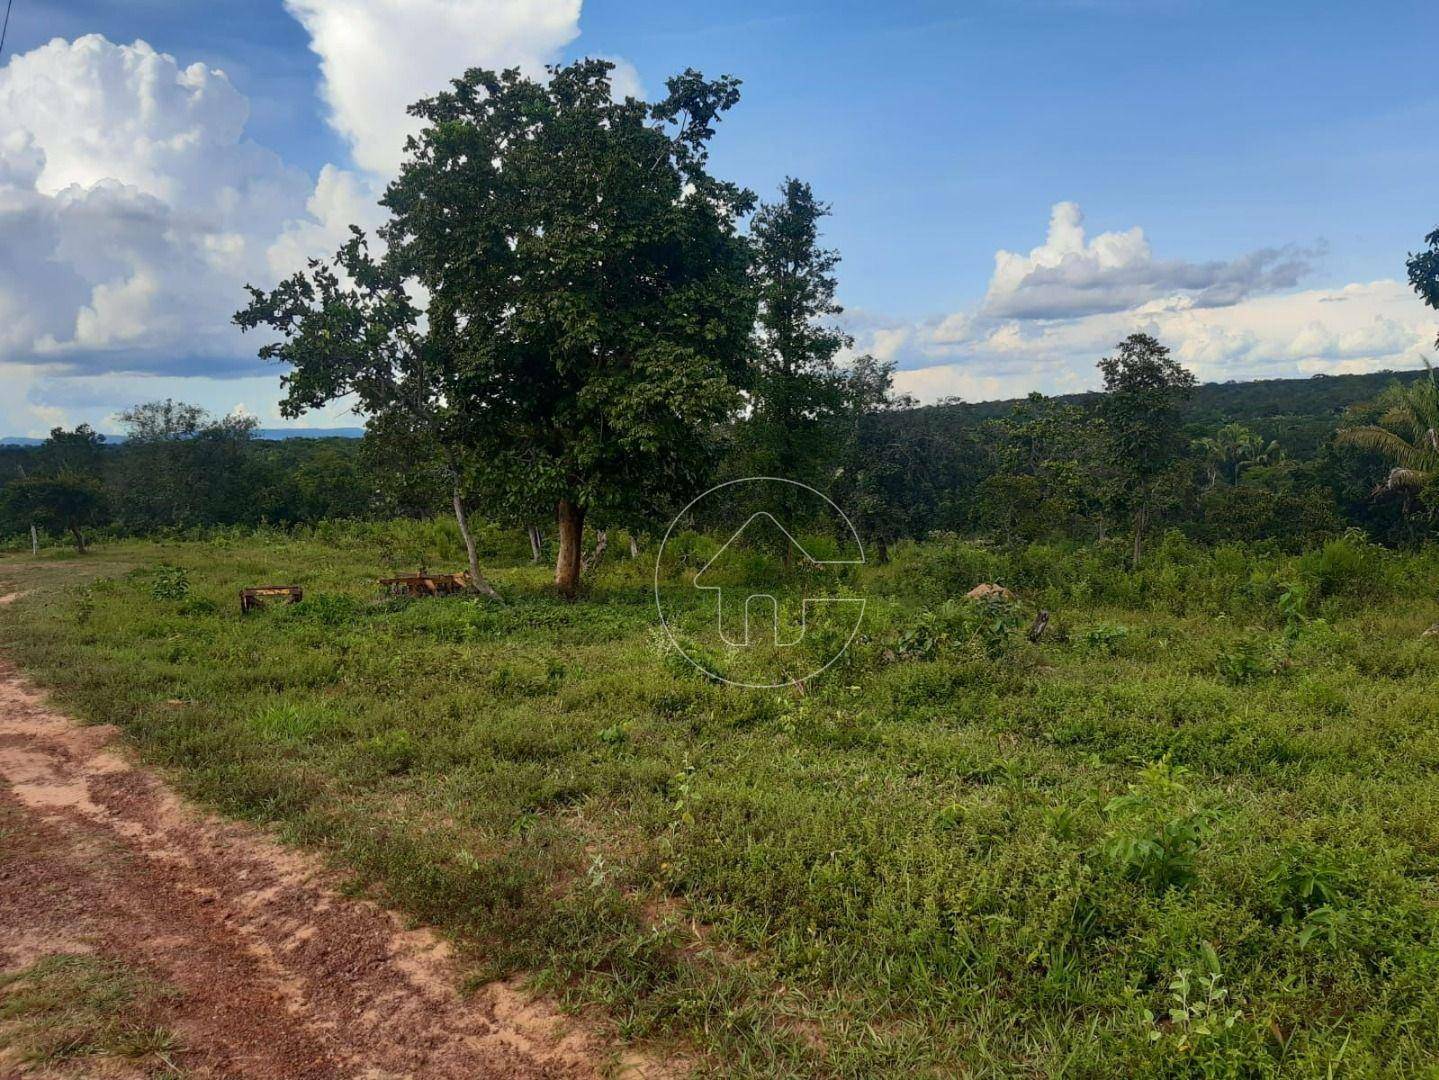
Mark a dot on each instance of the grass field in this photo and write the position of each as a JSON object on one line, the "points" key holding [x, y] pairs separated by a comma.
{"points": [[1194, 831], [67, 1008]]}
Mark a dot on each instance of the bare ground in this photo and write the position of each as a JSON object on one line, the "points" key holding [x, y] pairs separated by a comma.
{"points": [[280, 976]]}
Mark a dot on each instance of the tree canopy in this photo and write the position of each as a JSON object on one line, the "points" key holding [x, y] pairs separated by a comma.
{"points": [[1144, 388], [586, 307]]}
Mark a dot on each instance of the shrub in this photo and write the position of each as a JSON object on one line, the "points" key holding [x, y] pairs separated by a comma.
{"points": [[940, 569], [1102, 637], [992, 625], [1156, 829], [1244, 661], [171, 583], [1348, 566]]}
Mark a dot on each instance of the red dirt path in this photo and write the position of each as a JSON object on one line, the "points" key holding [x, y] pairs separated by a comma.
{"points": [[280, 976]]}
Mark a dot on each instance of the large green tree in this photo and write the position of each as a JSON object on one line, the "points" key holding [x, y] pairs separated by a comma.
{"points": [[585, 271], [585, 309], [1144, 388]]}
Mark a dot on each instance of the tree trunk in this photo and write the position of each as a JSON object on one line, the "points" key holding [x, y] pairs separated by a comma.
{"points": [[478, 582], [571, 521], [634, 547], [1141, 519], [881, 551], [591, 561], [537, 549], [79, 539]]}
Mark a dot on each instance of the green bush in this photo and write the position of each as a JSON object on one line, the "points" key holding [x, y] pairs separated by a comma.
{"points": [[1349, 566], [171, 583]]}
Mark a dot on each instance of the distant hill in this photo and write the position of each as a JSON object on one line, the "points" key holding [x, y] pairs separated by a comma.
{"points": [[1226, 401], [1301, 413], [273, 434], [310, 433]]}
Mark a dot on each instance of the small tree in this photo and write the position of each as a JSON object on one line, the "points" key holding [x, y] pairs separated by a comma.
{"points": [[365, 337], [77, 452], [797, 392], [878, 470], [1231, 450], [1144, 388], [59, 504]]}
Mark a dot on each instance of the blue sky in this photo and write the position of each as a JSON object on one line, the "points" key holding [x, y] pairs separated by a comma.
{"points": [[1279, 159]]}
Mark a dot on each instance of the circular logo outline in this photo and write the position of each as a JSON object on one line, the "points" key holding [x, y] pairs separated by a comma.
{"points": [[670, 634]]}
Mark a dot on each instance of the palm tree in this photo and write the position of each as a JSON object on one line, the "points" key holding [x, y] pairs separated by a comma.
{"points": [[1407, 434], [1231, 449]]}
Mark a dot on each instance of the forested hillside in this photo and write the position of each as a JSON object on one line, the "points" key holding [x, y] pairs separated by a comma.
{"points": [[1302, 413], [953, 469]]}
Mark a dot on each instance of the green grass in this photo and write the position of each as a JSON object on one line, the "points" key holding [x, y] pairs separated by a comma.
{"points": [[69, 1007], [1192, 832]]}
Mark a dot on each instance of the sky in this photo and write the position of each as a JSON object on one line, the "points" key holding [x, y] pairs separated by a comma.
{"points": [[1016, 184]]}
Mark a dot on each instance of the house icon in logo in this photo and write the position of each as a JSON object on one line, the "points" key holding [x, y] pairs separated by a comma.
{"points": [[747, 611]]}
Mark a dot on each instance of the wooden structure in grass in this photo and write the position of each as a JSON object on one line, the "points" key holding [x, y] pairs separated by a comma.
{"points": [[260, 595], [423, 584]]}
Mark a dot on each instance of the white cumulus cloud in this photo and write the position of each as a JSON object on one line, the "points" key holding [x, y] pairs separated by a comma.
{"points": [[1047, 318], [1359, 327], [132, 208], [1071, 274], [379, 56]]}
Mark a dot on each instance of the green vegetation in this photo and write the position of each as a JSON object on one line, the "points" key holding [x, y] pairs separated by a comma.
{"points": [[68, 1007], [568, 317], [588, 310], [1262, 465], [1189, 832], [1170, 812]]}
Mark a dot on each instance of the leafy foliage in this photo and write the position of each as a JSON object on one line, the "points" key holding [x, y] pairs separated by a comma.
{"points": [[572, 798], [1406, 434], [1143, 387], [63, 504], [795, 390]]}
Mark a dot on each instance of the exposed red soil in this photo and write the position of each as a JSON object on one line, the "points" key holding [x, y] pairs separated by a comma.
{"points": [[280, 976]]}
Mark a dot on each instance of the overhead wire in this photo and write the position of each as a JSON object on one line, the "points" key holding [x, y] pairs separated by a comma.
{"points": [[5, 29]]}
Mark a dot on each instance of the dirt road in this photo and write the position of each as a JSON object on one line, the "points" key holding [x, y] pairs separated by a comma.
{"points": [[279, 975]]}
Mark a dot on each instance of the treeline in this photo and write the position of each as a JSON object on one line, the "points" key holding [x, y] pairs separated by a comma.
{"points": [[1260, 463], [569, 324], [181, 469]]}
